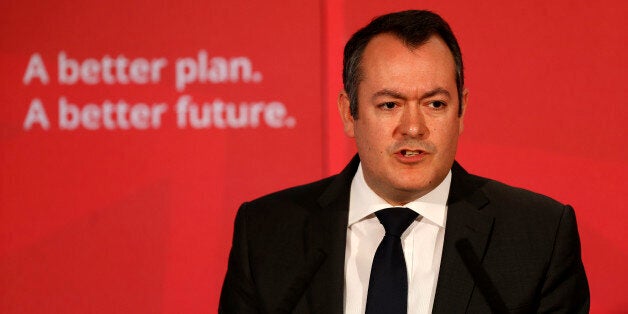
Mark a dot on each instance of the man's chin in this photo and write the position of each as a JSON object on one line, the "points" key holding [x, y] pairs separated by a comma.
{"points": [[410, 192]]}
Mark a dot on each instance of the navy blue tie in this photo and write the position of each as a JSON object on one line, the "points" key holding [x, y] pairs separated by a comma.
{"points": [[388, 285]]}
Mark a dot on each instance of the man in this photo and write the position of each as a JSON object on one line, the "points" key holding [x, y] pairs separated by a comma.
{"points": [[403, 228]]}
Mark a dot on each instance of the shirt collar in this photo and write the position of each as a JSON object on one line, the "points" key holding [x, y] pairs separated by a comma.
{"points": [[364, 201]]}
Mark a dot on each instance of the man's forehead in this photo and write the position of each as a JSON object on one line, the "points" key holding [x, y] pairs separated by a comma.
{"points": [[393, 69], [390, 42], [387, 53]]}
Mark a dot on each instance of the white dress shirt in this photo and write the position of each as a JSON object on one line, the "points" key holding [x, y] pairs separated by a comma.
{"points": [[422, 244]]}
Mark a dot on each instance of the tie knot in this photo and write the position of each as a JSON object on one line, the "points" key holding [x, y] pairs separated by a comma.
{"points": [[396, 219]]}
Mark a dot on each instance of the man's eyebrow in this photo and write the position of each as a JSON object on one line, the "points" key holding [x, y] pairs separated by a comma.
{"points": [[395, 94], [388, 93], [437, 91]]}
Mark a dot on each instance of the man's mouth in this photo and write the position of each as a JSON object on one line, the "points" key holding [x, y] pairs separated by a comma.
{"points": [[410, 153]]}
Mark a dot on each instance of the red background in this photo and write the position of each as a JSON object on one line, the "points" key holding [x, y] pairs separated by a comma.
{"points": [[132, 221]]}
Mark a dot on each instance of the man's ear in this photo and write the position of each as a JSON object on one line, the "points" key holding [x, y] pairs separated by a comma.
{"points": [[344, 108], [465, 101]]}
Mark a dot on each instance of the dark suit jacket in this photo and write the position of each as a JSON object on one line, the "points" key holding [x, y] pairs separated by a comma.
{"points": [[506, 250]]}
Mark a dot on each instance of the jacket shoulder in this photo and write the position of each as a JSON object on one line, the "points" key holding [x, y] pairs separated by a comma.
{"points": [[291, 198], [502, 192], [519, 210]]}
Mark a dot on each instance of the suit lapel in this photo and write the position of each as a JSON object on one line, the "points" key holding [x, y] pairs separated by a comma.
{"points": [[326, 235], [467, 233], [327, 230]]}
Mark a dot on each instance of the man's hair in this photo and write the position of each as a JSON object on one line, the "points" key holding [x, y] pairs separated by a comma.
{"points": [[414, 28]]}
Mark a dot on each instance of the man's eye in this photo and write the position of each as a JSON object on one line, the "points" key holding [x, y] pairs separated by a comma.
{"points": [[388, 105], [437, 104]]}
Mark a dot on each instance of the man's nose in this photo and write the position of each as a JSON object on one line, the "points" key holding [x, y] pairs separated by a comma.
{"points": [[412, 122]]}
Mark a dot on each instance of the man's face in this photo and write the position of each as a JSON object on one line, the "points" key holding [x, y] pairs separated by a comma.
{"points": [[408, 124]]}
